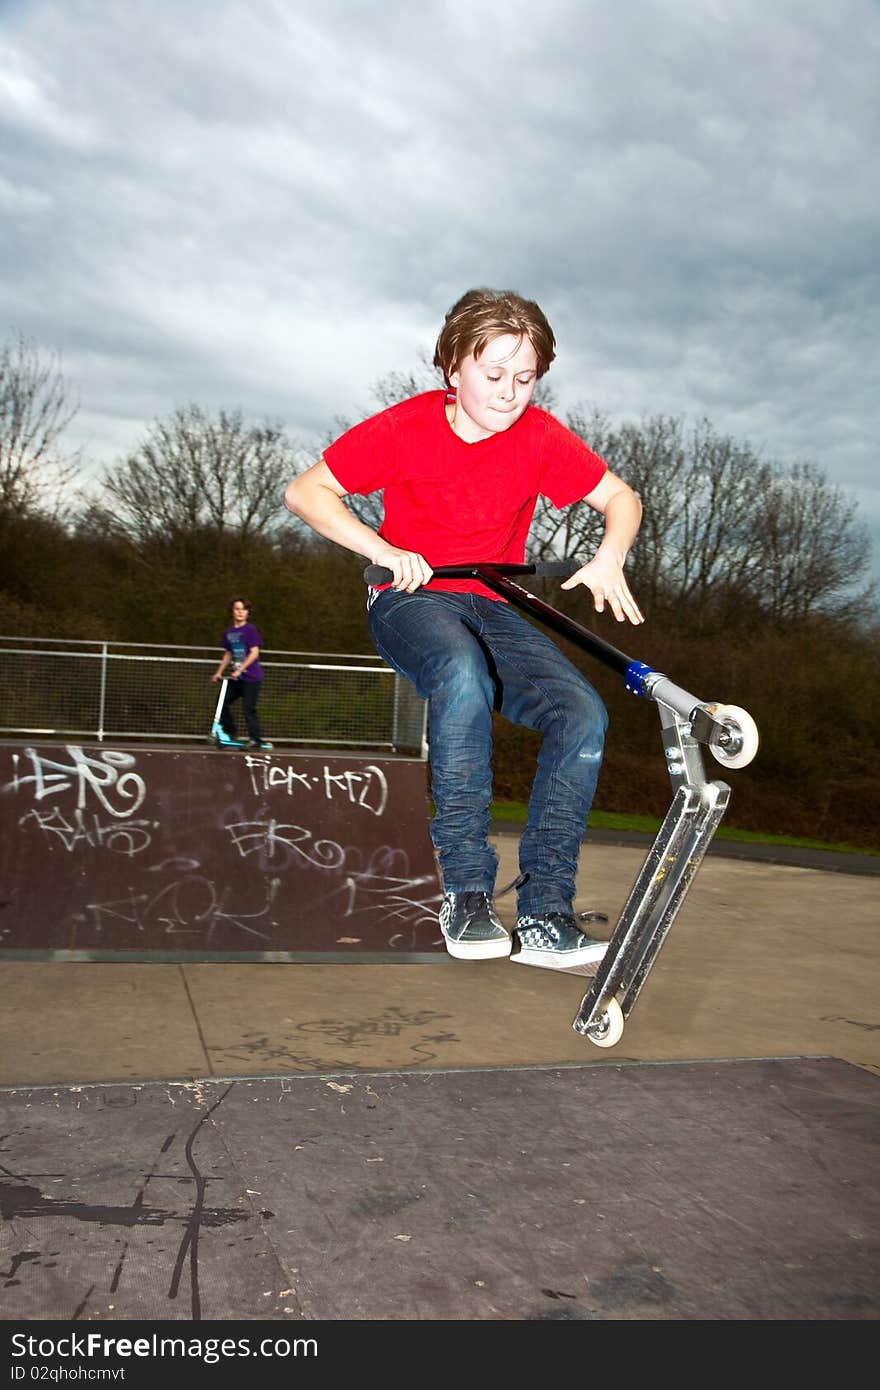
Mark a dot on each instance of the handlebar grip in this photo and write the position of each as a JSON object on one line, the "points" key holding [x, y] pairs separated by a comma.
{"points": [[556, 569], [541, 569]]}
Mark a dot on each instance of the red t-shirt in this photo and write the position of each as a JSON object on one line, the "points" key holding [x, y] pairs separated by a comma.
{"points": [[455, 502]]}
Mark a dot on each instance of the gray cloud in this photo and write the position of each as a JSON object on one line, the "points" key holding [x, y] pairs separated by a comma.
{"points": [[271, 205]]}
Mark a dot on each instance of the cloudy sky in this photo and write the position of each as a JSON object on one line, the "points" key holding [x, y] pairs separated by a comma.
{"points": [[270, 204]]}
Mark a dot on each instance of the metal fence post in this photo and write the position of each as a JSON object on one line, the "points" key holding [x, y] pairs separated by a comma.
{"points": [[395, 712], [102, 699]]}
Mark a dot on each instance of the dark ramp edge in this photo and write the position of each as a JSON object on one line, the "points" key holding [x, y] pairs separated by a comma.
{"points": [[736, 1190]]}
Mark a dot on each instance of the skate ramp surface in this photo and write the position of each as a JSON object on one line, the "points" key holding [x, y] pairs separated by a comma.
{"points": [[677, 1191]]}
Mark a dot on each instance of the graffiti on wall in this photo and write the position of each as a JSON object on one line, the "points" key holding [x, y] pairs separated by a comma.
{"points": [[135, 849]]}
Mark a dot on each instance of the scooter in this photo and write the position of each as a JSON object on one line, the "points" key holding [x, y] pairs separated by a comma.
{"points": [[688, 725], [218, 734]]}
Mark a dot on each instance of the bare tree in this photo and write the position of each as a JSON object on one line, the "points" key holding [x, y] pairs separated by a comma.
{"points": [[34, 413], [723, 529], [720, 493], [400, 386], [699, 494], [195, 474], [810, 551], [652, 457]]}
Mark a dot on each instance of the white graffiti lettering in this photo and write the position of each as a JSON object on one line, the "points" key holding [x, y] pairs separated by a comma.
{"points": [[112, 771], [130, 837], [385, 887], [393, 899], [186, 907], [273, 841], [264, 774], [367, 788]]}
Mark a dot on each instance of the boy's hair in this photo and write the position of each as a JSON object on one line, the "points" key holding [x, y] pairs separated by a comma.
{"points": [[243, 601], [481, 315]]}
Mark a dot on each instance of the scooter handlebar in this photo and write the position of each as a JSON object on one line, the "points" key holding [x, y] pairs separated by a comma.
{"points": [[541, 569], [729, 731]]}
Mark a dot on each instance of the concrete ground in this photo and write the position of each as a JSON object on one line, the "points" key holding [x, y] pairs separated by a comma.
{"points": [[765, 960]]}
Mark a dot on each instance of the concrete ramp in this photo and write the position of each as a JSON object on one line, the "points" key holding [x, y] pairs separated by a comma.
{"points": [[111, 853], [711, 1190]]}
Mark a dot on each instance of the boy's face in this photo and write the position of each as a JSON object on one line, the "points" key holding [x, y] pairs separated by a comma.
{"points": [[494, 389]]}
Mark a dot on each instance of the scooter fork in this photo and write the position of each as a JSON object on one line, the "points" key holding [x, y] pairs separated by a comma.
{"points": [[660, 888]]}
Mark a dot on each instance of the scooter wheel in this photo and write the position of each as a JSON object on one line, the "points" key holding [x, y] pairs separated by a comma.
{"points": [[743, 736], [609, 1030]]}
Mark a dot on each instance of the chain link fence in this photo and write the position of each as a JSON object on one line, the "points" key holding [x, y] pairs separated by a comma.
{"points": [[109, 690]]}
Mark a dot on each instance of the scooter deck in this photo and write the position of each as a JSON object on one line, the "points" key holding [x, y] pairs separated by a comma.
{"points": [[222, 739]]}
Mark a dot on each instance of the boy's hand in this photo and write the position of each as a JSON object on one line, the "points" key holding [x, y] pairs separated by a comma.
{"points": [[605, 580], [410, 569]]}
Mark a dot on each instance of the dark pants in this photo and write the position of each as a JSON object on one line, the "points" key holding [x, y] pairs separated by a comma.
{"points": [[249, 692]]}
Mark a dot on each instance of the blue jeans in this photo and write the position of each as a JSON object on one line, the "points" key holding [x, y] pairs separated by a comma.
{"points": [[467, 655]]}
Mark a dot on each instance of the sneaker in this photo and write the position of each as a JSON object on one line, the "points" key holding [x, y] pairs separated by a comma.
{"points": [[252, 743], [471, 927], [555, 941]]}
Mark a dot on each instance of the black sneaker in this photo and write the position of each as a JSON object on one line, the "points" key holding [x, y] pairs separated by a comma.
{"points": [[253, 744], [471, 927], [554, 940]]}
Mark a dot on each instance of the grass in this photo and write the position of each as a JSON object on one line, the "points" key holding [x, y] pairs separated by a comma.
{"points": [[515, 811]]}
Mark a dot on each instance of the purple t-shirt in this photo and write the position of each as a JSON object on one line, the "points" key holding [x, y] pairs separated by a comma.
{"points": [[238, 642]]}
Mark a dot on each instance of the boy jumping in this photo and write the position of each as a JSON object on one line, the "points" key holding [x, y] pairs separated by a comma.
{"points": [[461, 471]]}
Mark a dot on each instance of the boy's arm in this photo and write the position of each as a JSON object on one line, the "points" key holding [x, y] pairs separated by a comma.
{"points": [[316, 497], [603, 575], [224, 662]]}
